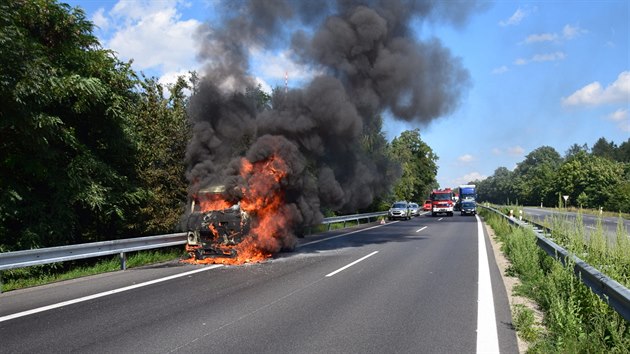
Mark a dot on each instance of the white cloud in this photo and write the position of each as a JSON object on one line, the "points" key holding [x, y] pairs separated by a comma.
{"points": [[466, 158], [543, 37], [541, 58], [516, 150], [100, 20], [520, 61], [263, 85], [500, 70], [621, 117], [515, 19], [548, 57], [170, 77], [496, 151], [570, 32], [593, 94], [473, 176], [153, 35]]}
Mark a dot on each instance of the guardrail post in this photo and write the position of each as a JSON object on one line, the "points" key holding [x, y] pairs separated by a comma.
{"points": [[123, 261]]}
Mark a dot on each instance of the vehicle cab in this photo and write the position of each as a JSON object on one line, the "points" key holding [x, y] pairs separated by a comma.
{"points": [[442, 202]]}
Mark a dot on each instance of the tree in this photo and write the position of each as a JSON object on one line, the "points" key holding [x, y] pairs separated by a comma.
{"points": [[575, 149], [623, 152], [599, 179], [498, 188], [162, 132], [376, 148], [261, 98], [67, 147], [418, 163], [534, 176], [603, 148]]}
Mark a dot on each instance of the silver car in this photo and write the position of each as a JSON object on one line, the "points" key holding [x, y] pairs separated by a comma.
{"points": [[414, 209], [399, 210]]}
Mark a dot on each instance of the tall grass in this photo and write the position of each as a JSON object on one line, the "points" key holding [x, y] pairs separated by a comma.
{"points": [[575, 319], [610, 254]]}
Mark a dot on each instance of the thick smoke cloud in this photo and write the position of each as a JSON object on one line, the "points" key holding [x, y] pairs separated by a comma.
{"points": [[370, 64]]}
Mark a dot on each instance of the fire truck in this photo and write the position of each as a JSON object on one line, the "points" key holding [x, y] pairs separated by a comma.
{"points": [[442, 201]]}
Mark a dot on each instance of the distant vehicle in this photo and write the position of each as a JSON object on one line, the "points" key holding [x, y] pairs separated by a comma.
{"points": [[427, 205], [466, 192], [468, 206], [442, 201], [399, 210], [414, 209]]}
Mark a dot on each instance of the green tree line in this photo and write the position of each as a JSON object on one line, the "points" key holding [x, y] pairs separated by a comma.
{"points": [[92, 150], [591, 177]]}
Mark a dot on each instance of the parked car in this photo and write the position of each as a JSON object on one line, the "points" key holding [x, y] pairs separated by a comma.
{"points": [[414, 209], [399, 210], [427, 205]]}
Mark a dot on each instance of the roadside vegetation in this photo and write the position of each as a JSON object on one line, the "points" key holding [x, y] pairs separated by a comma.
{"points": [[575, 319], [592, 178]]}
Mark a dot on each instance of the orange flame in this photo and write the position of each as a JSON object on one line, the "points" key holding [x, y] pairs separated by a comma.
{"points": [[209, 202], [263, 200]]}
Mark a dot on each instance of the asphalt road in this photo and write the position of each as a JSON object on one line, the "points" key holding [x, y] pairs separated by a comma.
{"points": [[404, 287], [609, 224]]}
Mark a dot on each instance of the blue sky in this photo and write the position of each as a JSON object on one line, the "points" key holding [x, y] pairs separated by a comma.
{"points": [[543, 73]]}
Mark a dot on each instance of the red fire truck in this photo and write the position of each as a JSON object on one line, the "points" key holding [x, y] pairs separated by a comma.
{"points": [[442, 201]]}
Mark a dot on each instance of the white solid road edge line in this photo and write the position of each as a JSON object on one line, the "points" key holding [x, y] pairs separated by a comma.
{"points": [[351, 264], [105, 293], [487, 338]]}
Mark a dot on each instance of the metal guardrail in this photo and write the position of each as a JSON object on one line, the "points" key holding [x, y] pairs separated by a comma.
{"points": [[28, 258], [609, 290], [355, 217]]}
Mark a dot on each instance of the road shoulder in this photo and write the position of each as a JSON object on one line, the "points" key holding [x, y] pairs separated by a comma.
{"points": [[509, 283]]}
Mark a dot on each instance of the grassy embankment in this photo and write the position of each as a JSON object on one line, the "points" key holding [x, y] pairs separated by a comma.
{"points": [[575, 320]]}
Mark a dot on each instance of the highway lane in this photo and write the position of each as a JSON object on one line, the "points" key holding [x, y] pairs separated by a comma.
{"points": [[413, 288], [609, 224]]}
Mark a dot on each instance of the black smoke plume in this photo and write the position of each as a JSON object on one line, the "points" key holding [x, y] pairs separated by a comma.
{"points": [[369, 63]]}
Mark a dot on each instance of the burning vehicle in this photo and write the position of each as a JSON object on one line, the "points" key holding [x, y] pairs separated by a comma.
{"points": [[246, 220], [214, 225]]}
